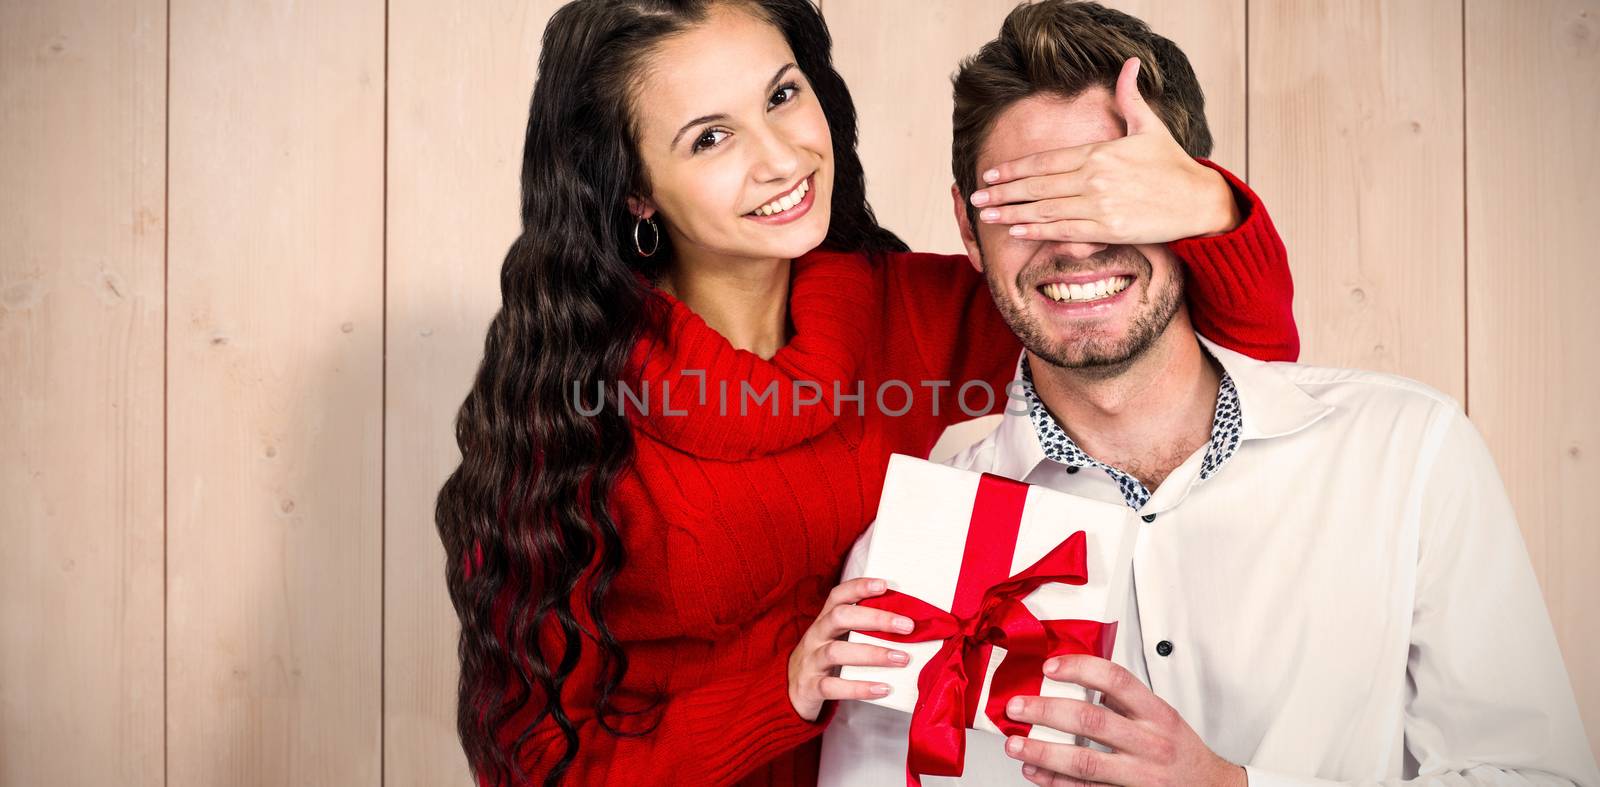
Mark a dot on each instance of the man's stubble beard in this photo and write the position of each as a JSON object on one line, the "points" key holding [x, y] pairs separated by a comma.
{"points": [[1089, 354]]}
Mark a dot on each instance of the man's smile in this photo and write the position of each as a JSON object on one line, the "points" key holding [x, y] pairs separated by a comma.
{"points": [[1085, 291]]}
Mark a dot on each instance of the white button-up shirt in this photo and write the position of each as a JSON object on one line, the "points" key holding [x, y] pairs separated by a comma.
{"points": [[1348, 600]]}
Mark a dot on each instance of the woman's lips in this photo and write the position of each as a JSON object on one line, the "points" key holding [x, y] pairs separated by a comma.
{"points": [[799, 209]]}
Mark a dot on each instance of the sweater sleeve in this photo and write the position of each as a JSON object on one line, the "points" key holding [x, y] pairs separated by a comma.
{"points": [[715, 732], [945, 332], [1240, 292]]}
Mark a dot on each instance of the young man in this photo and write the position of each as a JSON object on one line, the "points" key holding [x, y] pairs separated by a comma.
{"points": [[1329, 582]]}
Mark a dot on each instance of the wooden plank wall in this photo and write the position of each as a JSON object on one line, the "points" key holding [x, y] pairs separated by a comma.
{"points": [[1360, 159], [275, 394], [82, 227], [248, 251], [1533, 332]]}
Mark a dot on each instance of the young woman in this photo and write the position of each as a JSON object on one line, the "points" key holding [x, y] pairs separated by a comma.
{"points": [[633, 577]]}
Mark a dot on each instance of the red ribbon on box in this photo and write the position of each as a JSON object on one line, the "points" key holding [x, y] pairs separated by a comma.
{"points": [[987, 611]]}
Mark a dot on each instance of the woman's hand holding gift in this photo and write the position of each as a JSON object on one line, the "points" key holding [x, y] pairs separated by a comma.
{"points": [[814, 664]]}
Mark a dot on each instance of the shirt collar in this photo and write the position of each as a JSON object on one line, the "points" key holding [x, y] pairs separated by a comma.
{"points": [[1274, 407], [1017, 450], [1273, 404], [1059, 446]]}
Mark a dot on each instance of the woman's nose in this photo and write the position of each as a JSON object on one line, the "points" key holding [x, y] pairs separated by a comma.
{"points": [[776, 159]]}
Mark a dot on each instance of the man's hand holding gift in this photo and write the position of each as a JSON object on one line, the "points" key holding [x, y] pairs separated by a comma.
{"points": [[1152, 746]]}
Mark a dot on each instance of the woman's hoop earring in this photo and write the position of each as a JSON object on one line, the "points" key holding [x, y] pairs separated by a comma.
{"points": [[655, 235]]}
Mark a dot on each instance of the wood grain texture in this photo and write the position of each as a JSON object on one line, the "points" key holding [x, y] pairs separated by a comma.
{"points": [[897, 56], [1533, 113], [275, 393], [82, 225], [460, 79], [307, 635], [1355, 144]]}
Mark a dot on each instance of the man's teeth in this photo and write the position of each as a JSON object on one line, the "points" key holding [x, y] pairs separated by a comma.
{"points": [[1088, 291], [786, 201]]}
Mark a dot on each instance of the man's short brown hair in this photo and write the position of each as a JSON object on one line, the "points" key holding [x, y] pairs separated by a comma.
{"points": [[1065, 47]]}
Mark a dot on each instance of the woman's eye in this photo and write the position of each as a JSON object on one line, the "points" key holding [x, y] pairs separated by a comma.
{"points": [[784, 95], [708, 140]]}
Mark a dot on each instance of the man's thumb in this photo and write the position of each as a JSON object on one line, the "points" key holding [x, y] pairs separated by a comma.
{"points": [[1136, 112]]}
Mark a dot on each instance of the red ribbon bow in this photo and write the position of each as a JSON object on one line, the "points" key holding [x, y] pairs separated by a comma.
{"points": [[982, 617]]}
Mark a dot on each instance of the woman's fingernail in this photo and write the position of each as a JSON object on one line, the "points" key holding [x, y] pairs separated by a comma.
{"points": [[899, 657], [880, 689], [991, 176], [903, 625], [1018, 230], [1014, 745], [989, 215], [980, 197], [1051, 665], [876, 586], [1030, 770]]}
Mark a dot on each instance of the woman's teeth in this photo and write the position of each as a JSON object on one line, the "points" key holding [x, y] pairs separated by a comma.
{"points": [[1088, 291], [786, 201]]}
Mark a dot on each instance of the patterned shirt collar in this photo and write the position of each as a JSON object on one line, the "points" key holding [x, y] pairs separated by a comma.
{"points": [[1226, 424]]}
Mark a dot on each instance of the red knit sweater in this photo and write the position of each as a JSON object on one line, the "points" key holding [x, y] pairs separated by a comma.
{"points": [[736, 527]]}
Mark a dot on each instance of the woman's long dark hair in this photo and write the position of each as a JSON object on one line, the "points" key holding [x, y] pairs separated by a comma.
{"points": [[524, 519]]}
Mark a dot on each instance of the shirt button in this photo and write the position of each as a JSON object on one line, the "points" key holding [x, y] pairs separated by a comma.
{"points": [[1072, 469], [1152, 518], [1163, 648]]}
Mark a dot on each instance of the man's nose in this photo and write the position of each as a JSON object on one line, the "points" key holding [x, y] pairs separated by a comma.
{"points": [[1075, 250], [775, 159]]}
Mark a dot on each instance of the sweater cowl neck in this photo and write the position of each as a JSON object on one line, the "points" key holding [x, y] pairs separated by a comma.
{"points": [[830, 298]]}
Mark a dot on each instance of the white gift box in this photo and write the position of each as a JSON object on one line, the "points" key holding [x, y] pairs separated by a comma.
{"points": [[917, 545]]}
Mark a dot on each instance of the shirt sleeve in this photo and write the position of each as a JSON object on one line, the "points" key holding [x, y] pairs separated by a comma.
{"points": [[1489, 701], [1240, 291]]}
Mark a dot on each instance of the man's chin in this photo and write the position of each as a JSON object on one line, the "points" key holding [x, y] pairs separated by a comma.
{"points": [[1085, 352], [1095, 360]]}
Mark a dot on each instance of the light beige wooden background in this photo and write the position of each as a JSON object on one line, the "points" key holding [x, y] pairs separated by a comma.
{"points": [[248, 250]]}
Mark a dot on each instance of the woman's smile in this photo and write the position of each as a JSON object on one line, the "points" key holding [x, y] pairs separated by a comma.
{"points": [[790, 206]]}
